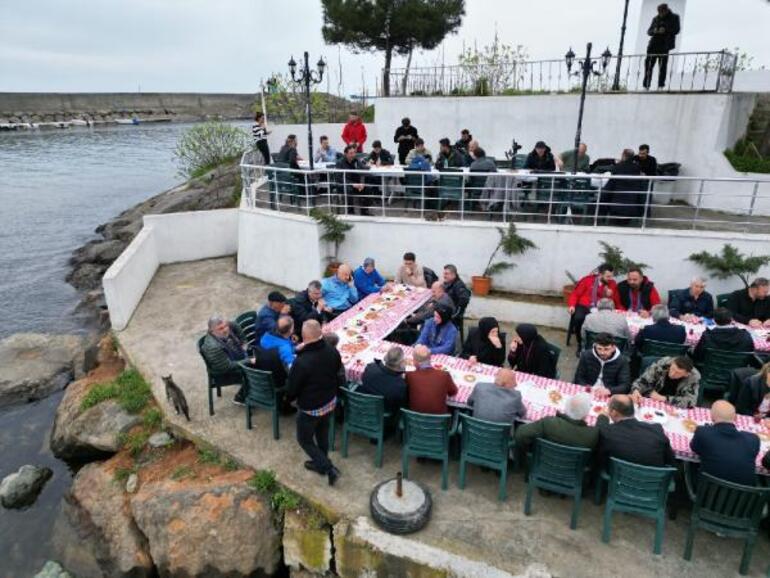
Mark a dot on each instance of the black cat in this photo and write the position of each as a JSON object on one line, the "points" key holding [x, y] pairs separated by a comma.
{"points": [[175, 395]]}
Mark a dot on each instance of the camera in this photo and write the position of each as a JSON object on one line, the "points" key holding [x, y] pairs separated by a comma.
{"points": [[515, 148]]}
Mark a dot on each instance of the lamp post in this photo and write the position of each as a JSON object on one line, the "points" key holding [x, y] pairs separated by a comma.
{"points": [[616, 80], [308, 77], [586, 69]]}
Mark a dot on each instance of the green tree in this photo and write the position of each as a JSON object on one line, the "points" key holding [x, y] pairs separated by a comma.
{"points": [[510, 243], [730, 263], [390, 26]]}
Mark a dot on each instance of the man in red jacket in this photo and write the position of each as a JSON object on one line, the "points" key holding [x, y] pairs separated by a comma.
{"points": [[354, 132], [637, 293], [427, 387], [585, 295]]}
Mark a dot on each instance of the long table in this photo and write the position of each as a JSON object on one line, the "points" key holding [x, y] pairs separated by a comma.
{"points": [[363, 328]]}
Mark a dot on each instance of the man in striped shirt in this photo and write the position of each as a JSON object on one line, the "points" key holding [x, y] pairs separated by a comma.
{"points": [[259, 132]]}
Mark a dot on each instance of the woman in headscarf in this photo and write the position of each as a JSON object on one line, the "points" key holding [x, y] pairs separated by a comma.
{"points": [[439, 333], [529, 352], [483, 344]]}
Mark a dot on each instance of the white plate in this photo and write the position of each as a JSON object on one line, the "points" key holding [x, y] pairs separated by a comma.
{"points": [[650, 415]]}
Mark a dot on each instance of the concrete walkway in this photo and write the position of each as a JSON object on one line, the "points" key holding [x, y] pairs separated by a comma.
{"points": [[161, 338]]}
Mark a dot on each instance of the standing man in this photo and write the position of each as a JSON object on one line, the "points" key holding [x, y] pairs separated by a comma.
{"points": [[662, 33], [313, 382], [458, 292], [624, 199], [354, 132], [405, 136], [354, 182]]}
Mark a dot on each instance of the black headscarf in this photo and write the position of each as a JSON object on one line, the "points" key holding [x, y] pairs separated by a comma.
{"points": [[532, 356], [527, 332], [478, 343], [444, 313]]}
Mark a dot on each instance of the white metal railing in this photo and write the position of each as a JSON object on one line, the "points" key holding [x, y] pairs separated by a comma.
{"points": [[722, 204]]}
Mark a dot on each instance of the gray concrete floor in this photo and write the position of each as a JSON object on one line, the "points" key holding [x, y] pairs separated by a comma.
{"points": [[160, 339]]}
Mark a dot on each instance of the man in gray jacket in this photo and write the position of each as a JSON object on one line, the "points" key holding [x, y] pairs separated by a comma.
{"points": [[606, 320], [499, 401]]}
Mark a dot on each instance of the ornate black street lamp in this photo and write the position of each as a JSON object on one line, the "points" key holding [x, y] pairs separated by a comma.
{"points": [[616, 81], [586, 70], [308, 77]]}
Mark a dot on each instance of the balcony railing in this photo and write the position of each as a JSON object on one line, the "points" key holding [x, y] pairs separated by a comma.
{"points": [[686, 72]]}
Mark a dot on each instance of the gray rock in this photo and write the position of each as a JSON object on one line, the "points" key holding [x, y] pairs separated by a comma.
{"points": [[53, 569], [101, 252], [132, 483], [86, 276], [34, 365], [21, 488], [160, 440]]}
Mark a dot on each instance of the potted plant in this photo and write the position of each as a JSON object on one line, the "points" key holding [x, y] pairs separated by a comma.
{"points": [[333, 232], [620, 263], [510, 243], [730, 263]]}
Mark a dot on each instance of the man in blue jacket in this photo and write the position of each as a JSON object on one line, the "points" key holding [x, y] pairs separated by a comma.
{"points": [[367, 279], [339, 294], [725, 452], [281, 339], [267, 316], [693, 303]]}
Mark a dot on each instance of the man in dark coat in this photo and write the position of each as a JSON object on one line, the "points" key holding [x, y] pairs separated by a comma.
{"points": [[725, 452], [751, 306], [379, 156], [725, 336], [458, 292], [623, 437], [449, 157], [623, 199], [753, 390], [540, 158], [693, 303], [636, 293], [405, 136], [355, 183], [463, 145], [386, 378], [604, 367], [288, 153], [662, 33], [661, 330], [307, 304]]}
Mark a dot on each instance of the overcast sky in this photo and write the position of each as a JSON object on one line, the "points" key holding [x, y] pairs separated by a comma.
{"points": [[230, 45]]}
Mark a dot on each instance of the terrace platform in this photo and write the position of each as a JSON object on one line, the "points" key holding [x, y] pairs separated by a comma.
{"points": [[161, 339]]}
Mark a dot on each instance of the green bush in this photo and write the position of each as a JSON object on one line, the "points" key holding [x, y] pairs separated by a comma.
{"points": [[208, 145], [284, 499], [98, 393], [134, 442], [264, 481], [207, 455], [152, 418], [748, 164], [130, 390]]}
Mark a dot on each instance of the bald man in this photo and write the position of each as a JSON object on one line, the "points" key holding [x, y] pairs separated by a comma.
{"points": [[725, 452], [339, 293], [313, 381], [428, 387], [499, 401]]}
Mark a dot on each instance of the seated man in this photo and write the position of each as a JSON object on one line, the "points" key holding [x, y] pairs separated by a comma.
{"points": [[691, 304], [458, 292], [628, 439], [751, 306], [482, 163], [540, 158], [325, 153], [587, 293], [753, 397], [367, 279], [354, 182], [281, 339], [604, 367], [386, 378], [671, 380], [566, 160], [410, 272], [723, 336], [427, 387], [637, 293], [419, 150], [307, 304], [725, 452], [224, 347], [499, 401], [661, 329], [268, 315], [438, 333], [379, 156], [568, 428], [338, 293], [438, 297], [288, 153], [449, 157], [606, 320]]}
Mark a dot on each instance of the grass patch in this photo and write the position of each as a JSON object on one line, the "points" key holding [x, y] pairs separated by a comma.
{"points": [[208, 456], [284, 499], [134, 442], [231, 465], [122, 474], [152, 418], [130, 390], [745, 157], [264, 482], [182, 472]]}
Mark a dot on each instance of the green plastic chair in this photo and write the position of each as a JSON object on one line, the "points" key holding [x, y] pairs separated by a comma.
{"points": [[426, 436], [450, 185], [248, 323], [560, 469], [519, 161], [286, 183], [415, 185], [716, 369], [728, 509], [487, 444], [722, 299], [365, 416], [261, 393], [588, 343], [653, 348], [638, 490], [217, 381]]}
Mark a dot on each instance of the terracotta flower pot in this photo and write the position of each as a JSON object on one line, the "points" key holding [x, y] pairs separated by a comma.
{"points": [[481, 285], [566, 290]]}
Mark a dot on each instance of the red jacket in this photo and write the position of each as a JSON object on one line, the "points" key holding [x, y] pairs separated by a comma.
{"points": [[355, 132], [583, 293], [428, 389]]}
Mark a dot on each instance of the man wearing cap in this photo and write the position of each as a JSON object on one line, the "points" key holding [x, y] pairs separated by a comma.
{"points": [[267, 317], [367, 279], [541, 158]]}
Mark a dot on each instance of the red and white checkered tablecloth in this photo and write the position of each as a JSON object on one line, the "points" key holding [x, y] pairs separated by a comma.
{"points": [[362, 330]]}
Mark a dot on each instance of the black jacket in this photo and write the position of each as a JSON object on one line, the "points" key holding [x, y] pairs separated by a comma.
{"points": [[662, 42], [460, 296], [662, 330], [270, 360], [744, 309], [302, 309], [455, 159], [405, 145], [381, 380], [648, 166], [727, 338], [288, 155], [315, 375], [385, 158], [484, 352], [538, 163], [624, 294], [616, 376], [750, 395], [727, 453], [536, 361], [681, 302], [633, 441]]}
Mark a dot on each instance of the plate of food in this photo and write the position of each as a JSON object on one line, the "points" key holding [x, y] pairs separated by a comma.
{"points": [[689, 425], [469, 378], [555, 396], [371, 315], [650, 415]]}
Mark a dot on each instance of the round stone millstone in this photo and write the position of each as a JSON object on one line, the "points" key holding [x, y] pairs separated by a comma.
{"points": [[403, 515]]}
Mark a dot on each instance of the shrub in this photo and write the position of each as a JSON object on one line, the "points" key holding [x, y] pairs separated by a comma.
{"points": [[208, 145], [152, 418], [134, 442], [284, 499], [208, 455], [264, 482]]}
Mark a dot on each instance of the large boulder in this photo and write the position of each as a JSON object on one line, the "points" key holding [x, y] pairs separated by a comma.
{"points": [[95, 534], [211, 528], [102, 252], [21, 488], [34, 365]]}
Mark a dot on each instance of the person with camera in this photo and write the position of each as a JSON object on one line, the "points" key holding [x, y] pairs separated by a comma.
{"points": [[662, 32]]}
